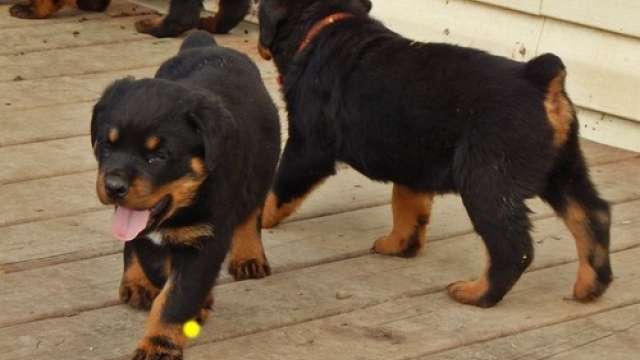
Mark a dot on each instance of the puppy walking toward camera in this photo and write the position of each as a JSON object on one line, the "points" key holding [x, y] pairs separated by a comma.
{"points": [[433, 119], [187, 158]]}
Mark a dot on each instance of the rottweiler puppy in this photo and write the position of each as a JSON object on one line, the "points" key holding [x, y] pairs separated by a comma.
{"points": [[433, 118], [187, 159], [183, 15]]}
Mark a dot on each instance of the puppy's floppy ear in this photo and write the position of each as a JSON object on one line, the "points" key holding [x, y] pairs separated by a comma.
{"points": [[365, 4], [217, 127], [271, 13]]}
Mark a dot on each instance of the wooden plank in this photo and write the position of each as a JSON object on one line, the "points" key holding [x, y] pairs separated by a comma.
{"points": [[18, 41], [39, 124], [605, 58], [48, 198], [418, 325], [608, 335], [118, 8], [406, 289], [42, 159], [55, 237], [109, 57], [619, 16], [65, 62], [42, 93]]}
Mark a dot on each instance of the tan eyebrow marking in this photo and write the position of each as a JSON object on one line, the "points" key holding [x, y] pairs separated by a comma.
{"points": [[114, 133], [152, 142]]}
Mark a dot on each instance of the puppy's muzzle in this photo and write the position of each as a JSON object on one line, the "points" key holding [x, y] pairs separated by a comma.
{"points": [[116, 186]]}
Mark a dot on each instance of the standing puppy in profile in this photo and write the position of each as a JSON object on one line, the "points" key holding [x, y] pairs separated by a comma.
{"points": [[433, 119], [187, 159]]}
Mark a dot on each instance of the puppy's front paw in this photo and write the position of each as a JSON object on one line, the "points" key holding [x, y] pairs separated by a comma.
{"points": [[158, 348], [471, 292], [22, 11], [395, 245], [138, 295], [147, 26], [255, 268]]}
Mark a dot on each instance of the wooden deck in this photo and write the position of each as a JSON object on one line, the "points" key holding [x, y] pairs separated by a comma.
{"points": [[329, 297]]}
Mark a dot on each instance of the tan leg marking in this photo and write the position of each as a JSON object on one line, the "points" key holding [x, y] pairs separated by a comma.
{"points": [[157, 328], [411, 213], [248, 260], [146, 25], [560, 112], [135, 288], [576, 219], [471, 292], [272, 214], [37, 9]]}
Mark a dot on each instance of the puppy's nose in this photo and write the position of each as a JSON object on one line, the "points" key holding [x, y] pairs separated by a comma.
{"points": [[116, 185]]}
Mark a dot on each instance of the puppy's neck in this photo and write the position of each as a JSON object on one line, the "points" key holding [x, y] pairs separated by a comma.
{"points": [[321, 25]]}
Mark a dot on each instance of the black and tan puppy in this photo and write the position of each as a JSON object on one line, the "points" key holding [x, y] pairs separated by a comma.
{"points": [[183, 15], [432, 119], [187, 158]]}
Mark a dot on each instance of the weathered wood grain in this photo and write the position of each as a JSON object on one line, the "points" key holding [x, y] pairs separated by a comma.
{"points": [[393, 301], [18, 41], [147, 52], [608, 335], [42, 93], [46, 159], [418, 325], [42, 124]]}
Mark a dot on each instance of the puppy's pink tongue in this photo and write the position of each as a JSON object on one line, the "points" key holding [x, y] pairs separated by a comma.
{"points": [[128, 223]]}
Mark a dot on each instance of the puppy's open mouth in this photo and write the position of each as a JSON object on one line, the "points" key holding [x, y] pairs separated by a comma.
{"points": [[129, 223]]}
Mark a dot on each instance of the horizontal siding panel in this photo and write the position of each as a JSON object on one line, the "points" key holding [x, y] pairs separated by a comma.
{"points": [[603, 67], [610, 130], [464, 23], [528, 6], [621, 16]]}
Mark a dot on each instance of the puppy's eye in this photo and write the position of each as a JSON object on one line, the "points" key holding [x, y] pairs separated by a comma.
{"points": [[104, 150], [157, 158]]}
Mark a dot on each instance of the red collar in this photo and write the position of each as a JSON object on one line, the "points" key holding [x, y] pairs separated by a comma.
{"points": [[319, 26]]}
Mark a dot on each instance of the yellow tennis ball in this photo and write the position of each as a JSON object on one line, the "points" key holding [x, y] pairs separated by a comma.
{"points": [[191, 329]]}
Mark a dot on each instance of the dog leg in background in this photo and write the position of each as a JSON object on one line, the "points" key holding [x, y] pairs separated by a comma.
{"points": [[248, 260], [146, 267], [302, 167], [37, 9], [42, 9], [411, 213], [184, 300], [183, 15], [230, 13]]}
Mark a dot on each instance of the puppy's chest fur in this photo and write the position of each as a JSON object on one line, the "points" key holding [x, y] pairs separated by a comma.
{"points": [[184, 235]]}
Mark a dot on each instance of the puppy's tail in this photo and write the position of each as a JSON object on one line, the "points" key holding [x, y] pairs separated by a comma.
{"points": [[548, 73], [544, 69], [198, 39]]}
